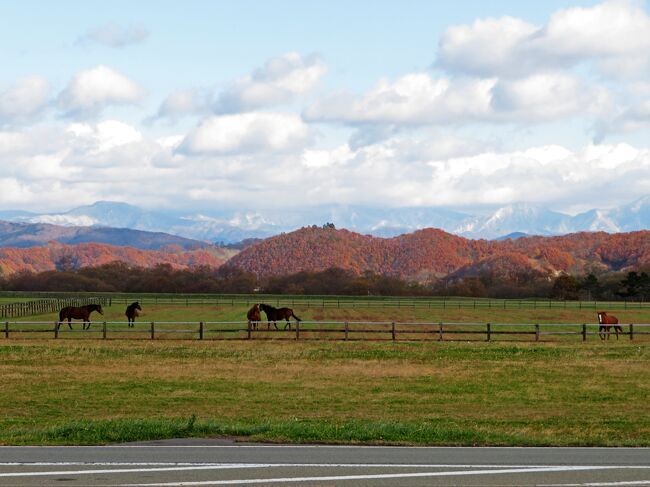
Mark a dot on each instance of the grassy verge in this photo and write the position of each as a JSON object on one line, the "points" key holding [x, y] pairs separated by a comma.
{"points": [[94, 392]]}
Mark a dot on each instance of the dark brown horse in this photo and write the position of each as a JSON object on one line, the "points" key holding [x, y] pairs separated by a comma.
{"points": [[131, 313], [606, 322], [275, 314], [79, 313], [254, 316]]}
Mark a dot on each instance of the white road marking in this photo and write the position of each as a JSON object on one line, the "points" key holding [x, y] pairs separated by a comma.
{"points": [[603, 484], [189, 466], [366, 477], [127, 470], [259, 465]]}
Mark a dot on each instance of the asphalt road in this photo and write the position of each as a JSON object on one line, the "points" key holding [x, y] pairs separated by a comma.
{"points": [[204, 463]]}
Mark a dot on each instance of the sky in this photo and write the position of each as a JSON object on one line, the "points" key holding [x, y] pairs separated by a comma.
{"points": [[206, 106]]}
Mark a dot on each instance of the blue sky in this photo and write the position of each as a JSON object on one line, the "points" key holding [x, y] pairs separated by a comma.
{"points": [[201, 105]]}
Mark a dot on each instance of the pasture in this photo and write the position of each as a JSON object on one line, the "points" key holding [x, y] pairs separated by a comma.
{"points": [[85, 390]]}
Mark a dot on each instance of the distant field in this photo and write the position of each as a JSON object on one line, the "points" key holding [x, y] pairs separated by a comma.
{"points": [[82, 389], [429, 302], [181, 321]]}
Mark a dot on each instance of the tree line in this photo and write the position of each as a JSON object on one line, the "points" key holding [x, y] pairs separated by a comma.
{"points": [[163, 278]]}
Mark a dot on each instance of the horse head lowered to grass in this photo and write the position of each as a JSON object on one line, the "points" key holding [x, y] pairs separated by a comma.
{"points": [[254, 316]]}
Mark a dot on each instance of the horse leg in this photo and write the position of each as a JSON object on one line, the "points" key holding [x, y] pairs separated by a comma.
{"points": [[601, 329], [287, 325], [276, 325], [70, 323]]}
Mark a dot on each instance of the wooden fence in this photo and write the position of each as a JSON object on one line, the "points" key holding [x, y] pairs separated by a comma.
{"points": [[323, 330], [40, 306], [430, 302]]}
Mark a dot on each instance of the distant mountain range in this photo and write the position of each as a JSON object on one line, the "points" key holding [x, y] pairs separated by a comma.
{"points": [[235, 226], [24, 235]]}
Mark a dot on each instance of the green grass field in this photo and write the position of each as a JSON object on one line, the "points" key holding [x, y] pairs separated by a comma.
{"points": [[84, 390]]}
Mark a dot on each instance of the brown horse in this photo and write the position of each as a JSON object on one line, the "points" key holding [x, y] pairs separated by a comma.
{"points": [[274, 314], [606, 322], [79, 313], [132, 312], [254, 316]]}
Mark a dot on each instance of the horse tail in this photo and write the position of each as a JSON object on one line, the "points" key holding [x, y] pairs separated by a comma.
{"points": [[61, 315], [297, 319]]}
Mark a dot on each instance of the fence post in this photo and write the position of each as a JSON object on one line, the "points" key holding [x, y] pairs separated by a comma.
{"points": [[201, 330], [56, 330], [440, 331], [584, 332], [104, 330], [631, 331], [489, 332], [152, 331], [297, 330], [392, 330], [536, 332], [346, 331], [248, 330]]}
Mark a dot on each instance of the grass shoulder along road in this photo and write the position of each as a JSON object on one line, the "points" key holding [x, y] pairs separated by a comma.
{"points": [[98, 392]]}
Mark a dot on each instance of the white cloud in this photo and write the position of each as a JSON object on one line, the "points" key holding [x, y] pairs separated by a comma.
{"points": [[412, 99], [89, 92], [105, 135], [248, 161], [25, 99], [113, 35], [420, 99], [182, 103], [615, 35], [488, 47], [247, 132], [548, 96], [279, 81]]}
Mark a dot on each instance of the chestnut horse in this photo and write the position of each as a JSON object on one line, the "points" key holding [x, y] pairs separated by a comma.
{"points": [[131, 313], [254, 316], [606, 322], [274, 314], [79, 313]]}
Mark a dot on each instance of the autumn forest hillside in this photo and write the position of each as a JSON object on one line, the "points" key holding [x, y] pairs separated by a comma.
{"points": [[425, 256], [431, 254]]}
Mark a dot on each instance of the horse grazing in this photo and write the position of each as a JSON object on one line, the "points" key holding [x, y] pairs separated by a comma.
{"points": [[606, 322], [274, 314], [254, 316], [131, 313], [79, 313]]}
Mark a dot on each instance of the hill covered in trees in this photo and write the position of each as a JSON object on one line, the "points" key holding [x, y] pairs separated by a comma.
{"points": [[60, 257], [327, 260], [431, 254]]}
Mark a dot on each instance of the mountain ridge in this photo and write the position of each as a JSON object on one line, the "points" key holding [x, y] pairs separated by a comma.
{"points": [[220, 225]]}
